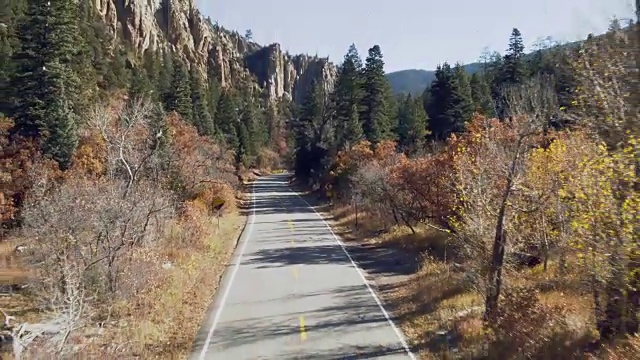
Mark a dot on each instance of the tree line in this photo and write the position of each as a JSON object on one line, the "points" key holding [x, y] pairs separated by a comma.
{"points": [[362, 107], [59, 57], [533, 160]]}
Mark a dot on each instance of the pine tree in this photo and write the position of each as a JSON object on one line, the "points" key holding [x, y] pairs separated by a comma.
{"points": [[461, 109], [347, 95], [61, 140], [353, 129], [45, 79], [226, 119], [247, 133], [10, 12], [140, 86], [117, 74], [6, 71], [152, 66], [212, 92], [202, 119], [412, 125], [440, 94], [310, 153], [375, 118], [243, 152], [165, 77], [179, 98], [514, 71], [481, 95]]}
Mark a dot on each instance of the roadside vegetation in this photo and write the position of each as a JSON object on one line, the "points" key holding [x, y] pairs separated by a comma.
{"points": [[116, 251], [524, 213], [122, 176]]}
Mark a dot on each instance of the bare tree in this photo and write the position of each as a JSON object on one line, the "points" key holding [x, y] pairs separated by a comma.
{"points": [[530, 107]]}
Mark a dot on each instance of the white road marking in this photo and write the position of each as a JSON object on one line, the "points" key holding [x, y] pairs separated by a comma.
{"points": [[233, 275], [364, 280]]}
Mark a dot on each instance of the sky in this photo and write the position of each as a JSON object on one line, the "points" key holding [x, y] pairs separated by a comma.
{"points": [[413, 34]]}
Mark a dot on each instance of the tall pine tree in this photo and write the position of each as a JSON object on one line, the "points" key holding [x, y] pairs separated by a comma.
{"points": [[347, 95], [461, 101], [309, 129], [439, 102], [481, 95], [375, 117], [412, 125], [227, 118], [179, 97], [202, 119], [513, 69], [45, 79]]}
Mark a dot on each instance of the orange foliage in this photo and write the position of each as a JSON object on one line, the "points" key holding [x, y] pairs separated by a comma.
{"points": [[424, 188], [90, 156], [197, 165], [20, 161]]}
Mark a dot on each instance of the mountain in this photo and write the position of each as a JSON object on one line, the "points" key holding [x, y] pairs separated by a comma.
{"points": [[414, 81], [178, 24]]}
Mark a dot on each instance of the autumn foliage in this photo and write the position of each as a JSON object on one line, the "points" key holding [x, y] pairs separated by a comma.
{"points": [[142, 191], [570, 209]]}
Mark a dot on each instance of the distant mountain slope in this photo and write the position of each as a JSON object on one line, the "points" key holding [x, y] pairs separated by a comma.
{"points": [[414, 81]]}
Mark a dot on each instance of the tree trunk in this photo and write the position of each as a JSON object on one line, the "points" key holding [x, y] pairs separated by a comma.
{"points": [[356, 206], [395, 216], [545, 245], [404, 219], [497, 261]]}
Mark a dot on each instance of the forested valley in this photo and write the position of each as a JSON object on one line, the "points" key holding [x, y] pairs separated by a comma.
{"points": [[123, 176]]}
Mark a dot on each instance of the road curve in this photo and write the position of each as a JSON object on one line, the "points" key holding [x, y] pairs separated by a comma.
{"points": [[293, 292]]}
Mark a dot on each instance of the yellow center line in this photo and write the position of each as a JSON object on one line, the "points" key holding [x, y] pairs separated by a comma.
{"points": [[295, 272], [303, 332]]}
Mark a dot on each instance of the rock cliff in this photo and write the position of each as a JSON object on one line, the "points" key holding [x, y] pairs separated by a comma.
{"points": [[157, 24]]}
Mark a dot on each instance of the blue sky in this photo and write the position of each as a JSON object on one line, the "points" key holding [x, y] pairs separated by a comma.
{"points": [[412, 33]]}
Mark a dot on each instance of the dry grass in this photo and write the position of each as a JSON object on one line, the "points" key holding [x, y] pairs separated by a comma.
{"points": [[173, 284], [441, 315], [164, 321]]}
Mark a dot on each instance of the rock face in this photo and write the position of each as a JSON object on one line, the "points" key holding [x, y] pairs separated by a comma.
{"points": [[158, 24]]}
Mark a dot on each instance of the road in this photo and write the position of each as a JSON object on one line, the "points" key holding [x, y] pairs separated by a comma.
{"points": [[292, 291]]}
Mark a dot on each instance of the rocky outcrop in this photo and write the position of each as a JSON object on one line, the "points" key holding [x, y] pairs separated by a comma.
{"points": [[158, 24]]}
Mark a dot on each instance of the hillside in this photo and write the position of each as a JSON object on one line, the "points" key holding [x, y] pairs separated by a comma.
{"points": [[414, 81]]}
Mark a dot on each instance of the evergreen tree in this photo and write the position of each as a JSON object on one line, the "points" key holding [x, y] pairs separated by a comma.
{"points": [[117, 74], [45, 79], [461, 109], [140, 86], [152, 66], [10, 12], [226, 119], [6, 71], [450, 104], [347, 95], [179, 98], [164, 82], [212, 92], [412, 125], [440, 94], [514, 70], [202, 119], [353, 129], [310, 154], [481, 95], [244, 150], [375, 118]]}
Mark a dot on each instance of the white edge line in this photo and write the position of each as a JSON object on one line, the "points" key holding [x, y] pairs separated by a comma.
{"points": [[246, 239], [399, 334]]}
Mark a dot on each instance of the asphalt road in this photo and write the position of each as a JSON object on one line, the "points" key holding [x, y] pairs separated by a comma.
{"points": [[292, 291]]}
